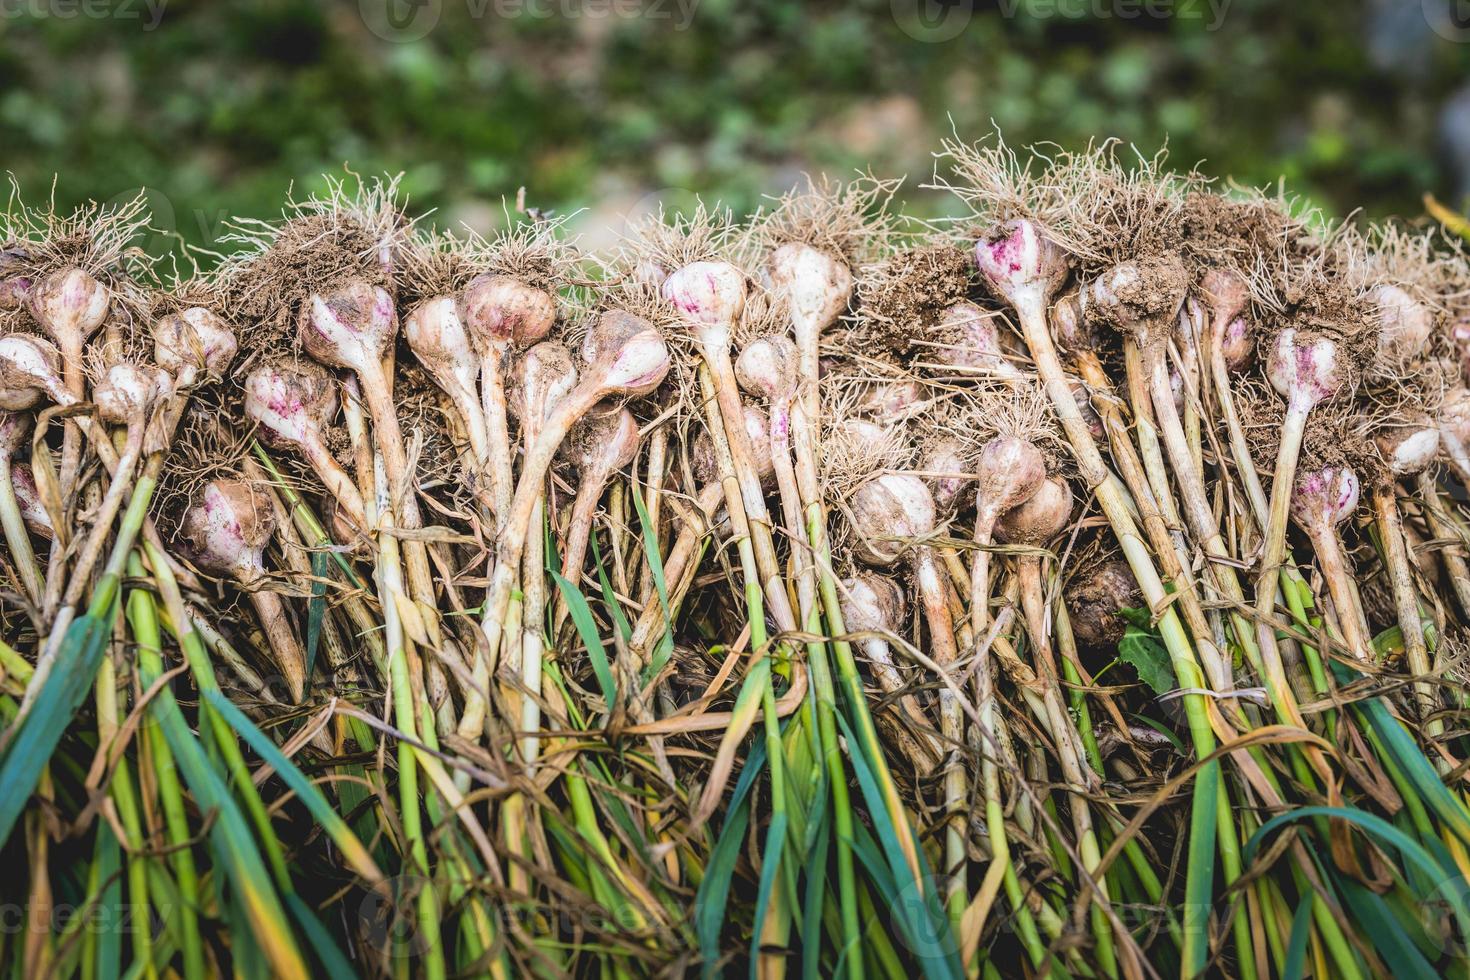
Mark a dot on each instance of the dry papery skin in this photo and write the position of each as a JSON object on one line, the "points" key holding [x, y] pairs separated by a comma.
{"points": [[903, 297], [679, 391], [851, 221]]}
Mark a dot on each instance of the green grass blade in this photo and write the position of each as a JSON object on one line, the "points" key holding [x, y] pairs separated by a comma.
{"points": [[615, 608], [321, 810], [316, 609], [41, 729], [714, 890], [815, 898], [587, 629], [1372, 915], [1454, 886], [924, 923], [327, 953], [1296, 947], [108, 855], [665, 647], [770, 864]]}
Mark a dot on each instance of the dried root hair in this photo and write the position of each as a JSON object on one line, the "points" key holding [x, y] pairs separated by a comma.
{"points": [[357, 228], [668, 242], [1089, 203], [100, 239], [1322, 292], [851, 221]]}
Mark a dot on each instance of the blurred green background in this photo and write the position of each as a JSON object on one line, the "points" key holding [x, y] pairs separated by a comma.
{"points": [[616, 106]]}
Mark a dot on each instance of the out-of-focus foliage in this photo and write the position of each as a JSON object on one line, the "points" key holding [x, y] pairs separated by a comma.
{"points": [[619, 105]]}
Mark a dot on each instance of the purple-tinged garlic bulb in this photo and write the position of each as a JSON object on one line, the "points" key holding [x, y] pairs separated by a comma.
{"points": [[1405, 324], [1321, 500], [1040, 518], [439, 339], [28, 497], [15, 431], [15, 290], [1009, 472], [70, 304], [945, 469], [227, 529], [1324, 498], [291, 406], [609, 331], [709, 296], [501, 311], [1021, 265], [29, 368], [632, 370], [888, 511], [192, 342], [1408, 449], [349, 327], [973, 343], [605, 441], [767, 367], [1237, 344], [1074, 330], [1225, 294], [1304, 369], [873, 604]]}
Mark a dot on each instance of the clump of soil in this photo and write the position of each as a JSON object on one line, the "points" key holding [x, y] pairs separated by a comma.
{"points": [[904, 297]]}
